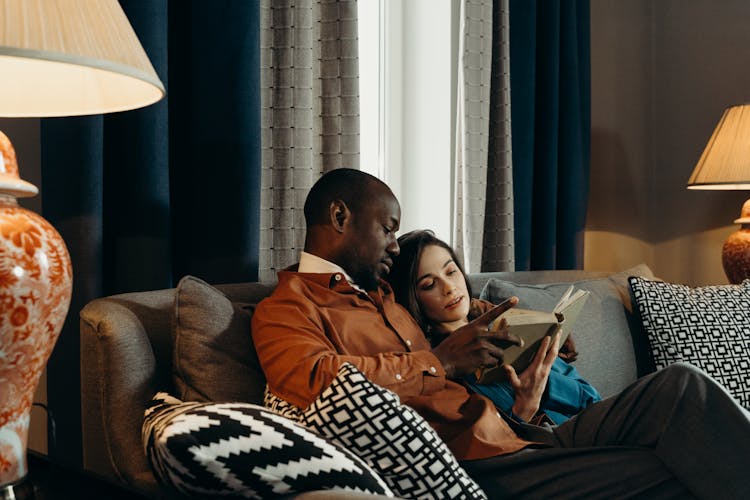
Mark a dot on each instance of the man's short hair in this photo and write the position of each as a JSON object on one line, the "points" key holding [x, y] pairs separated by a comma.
{"points": [[353, 187]]}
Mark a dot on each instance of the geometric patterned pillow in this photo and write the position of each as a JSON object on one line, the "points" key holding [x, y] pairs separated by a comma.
{"points": [[244, 450], [392, 438], [281, 406], [708, 327]]}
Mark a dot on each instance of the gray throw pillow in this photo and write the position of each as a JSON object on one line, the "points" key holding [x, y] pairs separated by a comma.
{"points": [[708, 327], [608, 336], [213, 358]]}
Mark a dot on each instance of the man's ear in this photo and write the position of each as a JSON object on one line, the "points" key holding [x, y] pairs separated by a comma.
{"points": [[339, 214]]}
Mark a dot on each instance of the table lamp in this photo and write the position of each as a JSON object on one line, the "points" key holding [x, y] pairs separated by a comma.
{"points": [[57, 58], [725, 164]]}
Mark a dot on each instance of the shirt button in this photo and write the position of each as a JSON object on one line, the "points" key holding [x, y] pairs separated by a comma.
{"points": [[433, 369], [398, 376], [408, 342], [338, 277]]}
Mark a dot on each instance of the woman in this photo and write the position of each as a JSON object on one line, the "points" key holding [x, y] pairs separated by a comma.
{"points": [[430, 283]]}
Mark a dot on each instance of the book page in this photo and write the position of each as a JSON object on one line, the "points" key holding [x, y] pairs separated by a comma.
{"points": [[532, 326], [564, 299]]}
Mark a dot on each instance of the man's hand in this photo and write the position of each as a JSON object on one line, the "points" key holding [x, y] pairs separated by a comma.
{"points": [[473, 346], [530, 384]]}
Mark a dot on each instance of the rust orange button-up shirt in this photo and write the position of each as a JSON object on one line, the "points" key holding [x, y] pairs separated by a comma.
{"points": [[315, 322]]}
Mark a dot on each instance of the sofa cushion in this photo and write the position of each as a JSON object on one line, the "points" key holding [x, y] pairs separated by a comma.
{"points": [[613, 349], [244, 450], [213, 357], [392, 438], [708, 327]]}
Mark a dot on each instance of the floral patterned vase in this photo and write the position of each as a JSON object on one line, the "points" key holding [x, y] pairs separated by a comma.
{"points": [[35, 288]]}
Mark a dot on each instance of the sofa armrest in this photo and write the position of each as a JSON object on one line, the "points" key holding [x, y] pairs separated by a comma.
{"points": [[125, 345]]}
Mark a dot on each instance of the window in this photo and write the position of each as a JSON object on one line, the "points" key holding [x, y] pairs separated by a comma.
{"points": [[407, 81]]}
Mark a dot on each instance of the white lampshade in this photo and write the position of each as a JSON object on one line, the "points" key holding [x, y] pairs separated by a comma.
{"points": [[57, 58], [725, 162], [71, 57]]}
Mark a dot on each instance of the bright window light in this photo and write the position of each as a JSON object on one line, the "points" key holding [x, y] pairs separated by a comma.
{"points": [[406, 89]]}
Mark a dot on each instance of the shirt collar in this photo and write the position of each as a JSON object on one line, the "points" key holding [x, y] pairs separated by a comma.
{"points": [[309, 263]]}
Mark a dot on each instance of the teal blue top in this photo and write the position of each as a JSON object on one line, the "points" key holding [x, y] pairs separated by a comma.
{"points": [[566, 394]]}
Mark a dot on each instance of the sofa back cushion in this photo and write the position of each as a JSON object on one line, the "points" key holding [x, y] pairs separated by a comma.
{"points": [[213, 356], [214, 359], [613, 351]]}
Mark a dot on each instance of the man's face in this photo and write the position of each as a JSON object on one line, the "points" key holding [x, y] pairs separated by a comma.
{"points": [[372, 241]]}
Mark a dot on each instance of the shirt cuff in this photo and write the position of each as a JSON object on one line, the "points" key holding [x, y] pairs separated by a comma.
{"points": [[433, 373], [515, 417]]}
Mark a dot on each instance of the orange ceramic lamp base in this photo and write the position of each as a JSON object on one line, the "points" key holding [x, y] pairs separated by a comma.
{"points": [[735, 255], [35, 289]]}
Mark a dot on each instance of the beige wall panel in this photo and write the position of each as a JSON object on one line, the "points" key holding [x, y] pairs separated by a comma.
{"points": [[662, 73]]}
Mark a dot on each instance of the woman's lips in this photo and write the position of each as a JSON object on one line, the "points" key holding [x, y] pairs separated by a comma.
{"points": [[454, 303]]}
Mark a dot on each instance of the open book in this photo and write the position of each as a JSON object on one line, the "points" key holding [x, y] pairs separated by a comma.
{"points": [[532, 326]]}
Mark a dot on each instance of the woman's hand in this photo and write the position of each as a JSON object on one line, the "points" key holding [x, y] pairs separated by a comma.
{"points": [[530, 384], [477, 307], [474, 346], [568, 352]]}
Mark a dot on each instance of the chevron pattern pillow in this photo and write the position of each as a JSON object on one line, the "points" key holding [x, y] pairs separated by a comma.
{"points": [[244, 450], [393, 438]]}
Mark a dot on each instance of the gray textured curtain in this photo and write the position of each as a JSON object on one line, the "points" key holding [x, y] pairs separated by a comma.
{"points": [[498, 246], [309, 114], [483, 220]]}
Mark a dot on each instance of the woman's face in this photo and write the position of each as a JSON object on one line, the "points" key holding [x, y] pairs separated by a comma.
{"points": [[441, 289]]}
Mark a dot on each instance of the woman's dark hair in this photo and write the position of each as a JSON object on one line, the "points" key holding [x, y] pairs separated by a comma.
{"points": [[403, 275]]}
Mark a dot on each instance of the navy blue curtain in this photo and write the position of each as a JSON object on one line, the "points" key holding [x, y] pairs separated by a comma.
{"points": [[551, 127], [145, 197]]}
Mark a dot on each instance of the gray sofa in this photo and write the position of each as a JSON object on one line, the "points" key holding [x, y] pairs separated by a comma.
{"points": [[127, 355]]}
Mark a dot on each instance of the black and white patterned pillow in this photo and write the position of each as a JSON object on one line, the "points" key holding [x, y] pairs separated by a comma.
{"points": [[392, 438], [708, 327], [245, 450]]}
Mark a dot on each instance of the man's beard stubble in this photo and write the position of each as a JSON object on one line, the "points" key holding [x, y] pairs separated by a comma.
{"points": [[366, 279]]}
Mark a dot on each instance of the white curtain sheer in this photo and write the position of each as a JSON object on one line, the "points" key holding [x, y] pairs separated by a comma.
{"points": [[309, 114], [483, 219]]}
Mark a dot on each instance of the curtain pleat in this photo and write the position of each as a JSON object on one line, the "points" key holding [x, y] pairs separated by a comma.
{"points": [[550, 92], [75, 209], [472, 122], [498, 247], [214, 136], [144, 197], [575, 133], [310, 114]]}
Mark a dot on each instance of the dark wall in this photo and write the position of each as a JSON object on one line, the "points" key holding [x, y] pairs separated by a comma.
{"points": [[662, 74]]}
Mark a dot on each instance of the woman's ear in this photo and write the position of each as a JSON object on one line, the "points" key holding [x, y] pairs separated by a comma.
{"points": [[339, 214]]}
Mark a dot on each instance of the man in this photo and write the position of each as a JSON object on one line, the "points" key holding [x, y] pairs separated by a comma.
{"points": [[657, 438]]}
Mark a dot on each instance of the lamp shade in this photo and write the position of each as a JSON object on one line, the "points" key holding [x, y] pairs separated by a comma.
{"points": [[725, 162], [57, 58], [71, 57]]}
